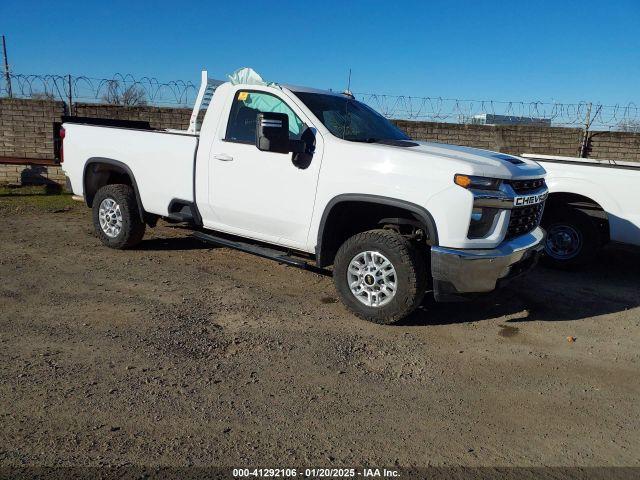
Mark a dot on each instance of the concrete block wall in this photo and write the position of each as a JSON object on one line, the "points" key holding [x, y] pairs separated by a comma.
{"points": [[518, 139], [26, 132], [158, 117], [624, 146], [26, 127]]}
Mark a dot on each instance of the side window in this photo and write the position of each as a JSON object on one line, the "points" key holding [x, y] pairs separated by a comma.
{"points": [[242, 118]]}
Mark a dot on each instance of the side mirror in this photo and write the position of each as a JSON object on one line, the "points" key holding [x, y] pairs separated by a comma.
{"points": [[272, 132]]}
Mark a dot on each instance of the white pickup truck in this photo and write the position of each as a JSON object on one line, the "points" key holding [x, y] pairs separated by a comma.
{"points": [[315, 178], [591, 202]]}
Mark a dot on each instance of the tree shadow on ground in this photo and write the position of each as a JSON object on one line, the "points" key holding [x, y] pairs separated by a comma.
{"points": [[610, 284]]}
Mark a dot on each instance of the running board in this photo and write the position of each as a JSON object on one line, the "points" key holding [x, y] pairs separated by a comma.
{"points": [[264, 252]]}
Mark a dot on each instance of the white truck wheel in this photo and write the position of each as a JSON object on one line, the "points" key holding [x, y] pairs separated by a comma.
{"points": [[380, 275], [116, 218]]}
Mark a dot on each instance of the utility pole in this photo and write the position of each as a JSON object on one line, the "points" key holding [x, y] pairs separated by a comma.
{"points": [[69, 95], [7, 77]]}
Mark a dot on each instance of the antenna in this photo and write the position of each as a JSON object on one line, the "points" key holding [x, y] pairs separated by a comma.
{"points": [[347, 92]]}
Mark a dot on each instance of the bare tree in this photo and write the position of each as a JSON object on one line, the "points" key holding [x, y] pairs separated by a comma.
{"points": [[112, 95], [629, 126], [132, 96]]}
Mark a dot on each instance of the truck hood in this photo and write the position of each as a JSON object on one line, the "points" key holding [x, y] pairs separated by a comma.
{"points": [[479, 162]]}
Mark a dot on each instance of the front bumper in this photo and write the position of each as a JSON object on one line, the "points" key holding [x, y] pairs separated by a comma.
{"points": [[459, 271]]}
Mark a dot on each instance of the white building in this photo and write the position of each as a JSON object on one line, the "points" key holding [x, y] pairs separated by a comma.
{"points": [[492, 119]]}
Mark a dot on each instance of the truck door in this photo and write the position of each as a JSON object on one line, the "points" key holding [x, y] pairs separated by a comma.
{"points": [[262, 195]]}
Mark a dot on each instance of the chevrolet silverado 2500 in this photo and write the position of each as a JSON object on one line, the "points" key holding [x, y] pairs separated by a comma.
{"points": [[315, 178]]}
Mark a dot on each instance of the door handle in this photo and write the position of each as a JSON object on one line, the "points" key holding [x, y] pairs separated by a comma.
{"points": [[222, 156]]}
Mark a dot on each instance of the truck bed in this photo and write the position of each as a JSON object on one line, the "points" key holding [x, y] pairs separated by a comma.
{"points": [[161, 162]]}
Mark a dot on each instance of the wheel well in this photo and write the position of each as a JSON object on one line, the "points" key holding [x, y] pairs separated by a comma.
{"points": [[98, 174], [597, 214], [347, 218]]}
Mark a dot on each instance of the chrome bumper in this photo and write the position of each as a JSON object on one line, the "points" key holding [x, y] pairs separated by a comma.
{"points": [[458, 271]]}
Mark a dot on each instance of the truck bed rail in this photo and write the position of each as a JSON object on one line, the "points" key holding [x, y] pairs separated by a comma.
{"points": [[588, 162], [108, 122]]}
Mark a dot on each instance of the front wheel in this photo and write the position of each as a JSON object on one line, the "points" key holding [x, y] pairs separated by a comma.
{"points": [[116, 218], [572, 240], [380, 276]]}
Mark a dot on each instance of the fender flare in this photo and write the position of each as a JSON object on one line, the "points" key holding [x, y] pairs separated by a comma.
{"points": [[584, 188], [421, 213], [115, 163]]}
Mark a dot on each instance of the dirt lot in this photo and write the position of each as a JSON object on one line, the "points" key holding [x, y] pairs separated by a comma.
{"points": [[181, 354]]}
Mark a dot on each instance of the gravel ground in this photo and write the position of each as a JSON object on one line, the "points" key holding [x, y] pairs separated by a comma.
{"points": [[181, 354]]}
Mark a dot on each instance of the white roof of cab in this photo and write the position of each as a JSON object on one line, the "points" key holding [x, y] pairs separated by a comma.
{"points": [[248, 76], [243, 77], [298, 88]]}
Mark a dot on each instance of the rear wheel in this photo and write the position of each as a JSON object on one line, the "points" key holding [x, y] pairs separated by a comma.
{"points": [[573, 238], [116, 218], [380, 275]]}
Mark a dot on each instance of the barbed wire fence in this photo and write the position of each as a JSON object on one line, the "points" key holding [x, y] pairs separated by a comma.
{"points": [[125, 89], [120, 89], [453, 110]]}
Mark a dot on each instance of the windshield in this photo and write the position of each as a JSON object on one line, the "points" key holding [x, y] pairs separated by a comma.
{"points": [[349, 119]]}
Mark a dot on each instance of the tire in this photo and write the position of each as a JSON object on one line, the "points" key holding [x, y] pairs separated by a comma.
{"points": [[394, 302], [573, 238], [118, 225]]}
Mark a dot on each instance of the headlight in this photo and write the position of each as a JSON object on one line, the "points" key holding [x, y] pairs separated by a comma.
{"points": [[471, 181], [482, 219]]}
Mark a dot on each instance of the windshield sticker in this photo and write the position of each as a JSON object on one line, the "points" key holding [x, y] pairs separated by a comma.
{"points": [[243, 96]]}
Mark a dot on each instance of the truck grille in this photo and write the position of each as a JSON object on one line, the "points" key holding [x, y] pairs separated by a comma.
{"points": [[524, 220], [526, 186]]}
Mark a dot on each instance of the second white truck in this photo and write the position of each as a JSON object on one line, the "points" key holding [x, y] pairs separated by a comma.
{"points": [[316, 179], [591, 203]]}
